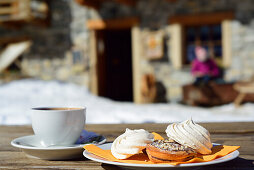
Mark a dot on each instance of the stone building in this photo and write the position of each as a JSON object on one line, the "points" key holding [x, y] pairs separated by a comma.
{"points": [[153, 39]]}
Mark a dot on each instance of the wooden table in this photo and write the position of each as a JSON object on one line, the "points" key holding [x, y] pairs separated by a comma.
{"points": [[224, 133]]}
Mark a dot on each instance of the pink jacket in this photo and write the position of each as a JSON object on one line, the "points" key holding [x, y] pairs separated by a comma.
{"points": [[207, 67]]}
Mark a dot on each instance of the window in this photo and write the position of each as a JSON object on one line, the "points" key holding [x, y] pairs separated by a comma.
{"points": [[211, 30], [208, 36]]}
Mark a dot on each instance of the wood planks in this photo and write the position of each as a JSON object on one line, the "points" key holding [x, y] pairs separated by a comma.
{"points": [[121, 23], [14, 10], [97, 3], [202, 19], [12, 52]]}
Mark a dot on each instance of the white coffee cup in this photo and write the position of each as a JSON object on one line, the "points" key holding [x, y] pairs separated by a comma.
{"points": [[57, 126]]}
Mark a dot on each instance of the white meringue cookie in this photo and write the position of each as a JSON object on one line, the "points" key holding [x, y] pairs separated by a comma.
{"points": [[131, 142], [192, 135]]}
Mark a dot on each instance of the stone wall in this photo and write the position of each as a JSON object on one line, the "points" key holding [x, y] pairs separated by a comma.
{"points": [[52, 55], [72, 63], [242, 51], [67, 69]]}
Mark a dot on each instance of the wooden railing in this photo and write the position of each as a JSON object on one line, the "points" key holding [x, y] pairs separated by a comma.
{"points": [[14, 10]]}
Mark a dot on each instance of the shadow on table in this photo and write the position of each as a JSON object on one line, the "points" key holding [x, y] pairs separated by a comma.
{"points": [[110, 167], [238, 163]]}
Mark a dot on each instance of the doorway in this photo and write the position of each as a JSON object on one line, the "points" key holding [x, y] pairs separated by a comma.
{"points": [[114, 64]]}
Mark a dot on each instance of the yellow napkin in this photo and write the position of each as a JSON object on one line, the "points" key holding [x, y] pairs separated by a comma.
{"points": [[141, 158]]}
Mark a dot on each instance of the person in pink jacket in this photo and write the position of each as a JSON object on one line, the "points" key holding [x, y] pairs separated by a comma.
{"points": [[203, 68]]}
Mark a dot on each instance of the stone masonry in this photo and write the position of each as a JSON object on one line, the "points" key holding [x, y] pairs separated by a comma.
{"points": [[62, 50]]}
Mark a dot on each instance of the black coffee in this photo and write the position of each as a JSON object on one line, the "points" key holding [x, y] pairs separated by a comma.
{"points": [[56, 108]]}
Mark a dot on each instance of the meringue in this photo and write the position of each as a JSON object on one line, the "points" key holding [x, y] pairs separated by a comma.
{"points": [[131, 142], [192, 135]]}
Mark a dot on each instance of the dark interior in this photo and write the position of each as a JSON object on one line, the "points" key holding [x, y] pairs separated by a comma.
{"points": [[115, 64]]}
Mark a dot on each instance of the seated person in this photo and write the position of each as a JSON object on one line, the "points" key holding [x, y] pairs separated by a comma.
{"points": [[203, 68]]}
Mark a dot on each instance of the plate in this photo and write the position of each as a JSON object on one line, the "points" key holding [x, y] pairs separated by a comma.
{"points": [[30, 145], [107, 146]]}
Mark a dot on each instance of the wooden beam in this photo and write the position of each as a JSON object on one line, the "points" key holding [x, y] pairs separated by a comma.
{"points": [[14, 39], [92, 4], [171, 1], [176, 51], [136, 56], [226, 43], [12, 52], [7, 1], [97, 3], [201, 19], [6, 10], [120, 23], [93, 64], [127, 2]]}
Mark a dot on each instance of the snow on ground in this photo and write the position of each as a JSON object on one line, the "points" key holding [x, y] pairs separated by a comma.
{"points": [[17, 97]]}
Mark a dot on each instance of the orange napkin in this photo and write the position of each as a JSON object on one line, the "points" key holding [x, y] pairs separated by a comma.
{"points": [[141, 158]]}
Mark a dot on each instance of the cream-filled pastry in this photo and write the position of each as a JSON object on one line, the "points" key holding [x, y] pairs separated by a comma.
{"points": [[190, 134], [131, 142]]}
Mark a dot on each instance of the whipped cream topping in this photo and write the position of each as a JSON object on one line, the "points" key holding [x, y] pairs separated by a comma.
{"points": [[131, 142], [190, 134]]}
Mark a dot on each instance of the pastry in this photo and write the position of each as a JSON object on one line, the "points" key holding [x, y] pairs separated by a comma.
{"points": [[186, 140], [130, 143], [168, 150], [190, 134]]}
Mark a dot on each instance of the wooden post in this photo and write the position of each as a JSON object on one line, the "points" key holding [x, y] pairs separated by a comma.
{"points": [[176, 45], [239, 99], [93, 63], [226, 43], [136, 74]]}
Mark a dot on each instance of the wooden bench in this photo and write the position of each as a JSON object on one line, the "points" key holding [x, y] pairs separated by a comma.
{"points": [[244, 89], [212, 94]]}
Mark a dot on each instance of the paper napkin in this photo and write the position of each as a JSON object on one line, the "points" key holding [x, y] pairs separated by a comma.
{"points": [[217, 151]]}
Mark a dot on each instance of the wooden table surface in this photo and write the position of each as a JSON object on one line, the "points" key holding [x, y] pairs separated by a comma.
{"points": [[241, 134]]}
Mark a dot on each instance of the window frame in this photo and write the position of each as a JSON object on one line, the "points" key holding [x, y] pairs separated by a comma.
{"points": [[176, 30]]}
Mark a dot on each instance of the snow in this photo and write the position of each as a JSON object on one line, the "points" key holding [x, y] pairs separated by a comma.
{"points": [[17, 97]]}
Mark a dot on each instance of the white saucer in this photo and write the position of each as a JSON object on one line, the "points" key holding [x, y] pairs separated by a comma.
{"points": [[107, 146], [30, 145]]}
